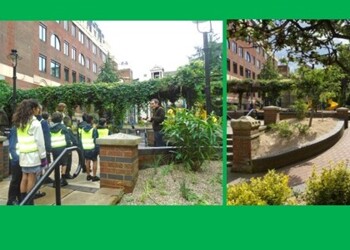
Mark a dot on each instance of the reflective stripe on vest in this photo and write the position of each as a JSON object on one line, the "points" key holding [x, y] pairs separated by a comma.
{"points": [[26, 141], [58, 139], [87, 140], [102, 132]]}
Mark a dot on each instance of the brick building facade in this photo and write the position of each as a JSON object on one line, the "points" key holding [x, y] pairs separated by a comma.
{"points": [[244, 60], [52, 52]]}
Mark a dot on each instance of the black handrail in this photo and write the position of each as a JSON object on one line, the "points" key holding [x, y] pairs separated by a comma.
{"points": [[55, 166]]}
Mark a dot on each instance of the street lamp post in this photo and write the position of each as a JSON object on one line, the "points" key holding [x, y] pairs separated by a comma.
{"points": [[206, 50], [13, 56]]}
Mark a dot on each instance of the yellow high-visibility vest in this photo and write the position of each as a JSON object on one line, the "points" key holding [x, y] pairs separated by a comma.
{"points": [[58, 139], [26, 142], [87, 140], [102, 132]]}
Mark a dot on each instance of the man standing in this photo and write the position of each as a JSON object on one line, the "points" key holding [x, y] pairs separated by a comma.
{"points": [[157, 120]]}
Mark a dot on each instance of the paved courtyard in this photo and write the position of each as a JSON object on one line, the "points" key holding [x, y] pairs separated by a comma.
{"points": [[78, 192], [301, 171]]}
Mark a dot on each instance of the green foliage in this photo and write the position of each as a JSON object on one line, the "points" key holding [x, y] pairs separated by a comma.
{"points": [[302, 128], [300, 107], [331, 187], [108, 71], [269, 70], [196, 137], [283, 129], [272, 189]]}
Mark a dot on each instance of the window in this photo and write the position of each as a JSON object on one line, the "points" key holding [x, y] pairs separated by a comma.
{"points": [[42, 32], [94, 49], [94, 67], [42, 63], [81, 36], [248, 57], [74, 76], [234, 47], [74, 28], [235, 68], [81, 78], [82, 59], [241, 70], [74, 53], [248, 73], [87, 42], [104, 57], [66, 74], [65, 25], [66, 48], [55, 42], [240, 52], [55, 69], [228, 65], [87, 63], [258, 64]]}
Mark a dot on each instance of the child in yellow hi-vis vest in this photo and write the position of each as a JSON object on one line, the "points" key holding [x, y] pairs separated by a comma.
{"points": [[60, 140], [88, 138]]}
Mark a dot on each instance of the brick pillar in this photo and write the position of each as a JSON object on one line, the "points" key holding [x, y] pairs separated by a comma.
{"points": [[271, 115], [119, 163], [343, 114], [4, 158], [245, 140]]}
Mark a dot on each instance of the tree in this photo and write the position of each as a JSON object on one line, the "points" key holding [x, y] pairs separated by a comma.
{"points": [[108, 71], [269, 70], [317, 85], [215, 49], [313, 41], [304, 41]]}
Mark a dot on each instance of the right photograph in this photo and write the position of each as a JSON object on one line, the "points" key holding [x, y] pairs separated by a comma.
{"points": [[287, 112]]}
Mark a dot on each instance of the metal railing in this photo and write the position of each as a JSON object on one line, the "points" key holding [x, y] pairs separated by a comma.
{"points": [[55, 167]]}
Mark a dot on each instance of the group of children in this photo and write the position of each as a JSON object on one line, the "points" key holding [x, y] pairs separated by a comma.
{"points": [[34, 138]]}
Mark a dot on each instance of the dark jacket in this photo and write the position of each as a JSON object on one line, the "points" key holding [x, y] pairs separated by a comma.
{"points": [[46, 130], [158, 118], [14, 157]]}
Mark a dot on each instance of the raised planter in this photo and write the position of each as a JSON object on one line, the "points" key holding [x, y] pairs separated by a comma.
{"points": [[298, 153]]}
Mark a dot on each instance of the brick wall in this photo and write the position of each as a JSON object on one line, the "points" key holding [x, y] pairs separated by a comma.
{"points": [[4, 158], [119, 163]]}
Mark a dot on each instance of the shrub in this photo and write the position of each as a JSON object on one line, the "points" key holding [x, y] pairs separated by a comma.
{"points": [[300, 108], [331, 187], [302, 128], [272, 189], [283, 129], [195, 137]]}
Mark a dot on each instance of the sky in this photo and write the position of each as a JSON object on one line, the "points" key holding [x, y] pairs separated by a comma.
{"points": [[145, 44]]}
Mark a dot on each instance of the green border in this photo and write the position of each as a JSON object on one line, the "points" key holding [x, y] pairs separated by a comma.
{"points": [[210, 227], [176, 10]]}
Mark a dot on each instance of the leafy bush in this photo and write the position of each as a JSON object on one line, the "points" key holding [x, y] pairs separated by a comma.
{"points": [[331, 187], [283, 129], [300, 108], [195, 137], [302, 128], [272, 189]]}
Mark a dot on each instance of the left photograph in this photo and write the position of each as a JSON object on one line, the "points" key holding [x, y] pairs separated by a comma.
{"points": [[111, 113]]}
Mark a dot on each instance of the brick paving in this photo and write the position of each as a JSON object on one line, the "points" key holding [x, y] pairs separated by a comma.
{"points": [[301, 171]]}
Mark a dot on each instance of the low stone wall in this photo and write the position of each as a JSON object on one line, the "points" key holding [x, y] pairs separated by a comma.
{"points": [[149, 156], [300, 153]]}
